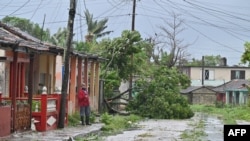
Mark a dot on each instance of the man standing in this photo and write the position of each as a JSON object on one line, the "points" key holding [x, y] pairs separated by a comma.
{"points": [[83, 100]]}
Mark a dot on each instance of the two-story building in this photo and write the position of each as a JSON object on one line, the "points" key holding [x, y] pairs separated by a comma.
{"points": [[216, 80], [214, 75]]}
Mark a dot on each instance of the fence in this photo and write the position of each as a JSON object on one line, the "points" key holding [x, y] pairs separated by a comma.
{"points": [[45, 112]]}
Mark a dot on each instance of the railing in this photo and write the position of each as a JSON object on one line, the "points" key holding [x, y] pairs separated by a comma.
{"points": [[45, 110]]}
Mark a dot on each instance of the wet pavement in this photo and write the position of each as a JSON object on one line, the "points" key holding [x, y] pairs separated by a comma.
{"points": [[171, 130], [149, 130], [213, 128], [65, 134], [154, 130]]}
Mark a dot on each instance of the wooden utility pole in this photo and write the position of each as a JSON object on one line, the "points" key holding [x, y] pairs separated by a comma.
{"points": [[132, 56], [70, 27], [202, 72]]}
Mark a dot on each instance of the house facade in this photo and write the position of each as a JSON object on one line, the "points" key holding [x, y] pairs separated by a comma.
{"points": [[214, 75], [234, 92], [31, 72], [226, 81]]}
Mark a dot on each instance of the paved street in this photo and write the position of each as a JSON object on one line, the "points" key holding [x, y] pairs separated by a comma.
{"points": [[149, 130]]}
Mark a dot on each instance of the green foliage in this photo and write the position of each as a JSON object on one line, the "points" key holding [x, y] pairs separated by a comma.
{"points": [[219, 104], [245, 58], [118, 123], [160, 97], [95, 28], [118, 53], [112, 82], [209, 60], [106, 118], [229, 113], [74, 119], [248, 103], [28, 26], [196, 133], [36, 104]]}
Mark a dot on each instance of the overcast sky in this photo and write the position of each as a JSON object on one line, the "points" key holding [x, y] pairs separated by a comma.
{"points": [[213, 27]]}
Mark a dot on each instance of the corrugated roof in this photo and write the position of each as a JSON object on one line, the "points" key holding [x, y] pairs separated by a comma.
{"points": [[193, 88], [190, 89], [232, 85], [14, 36]]}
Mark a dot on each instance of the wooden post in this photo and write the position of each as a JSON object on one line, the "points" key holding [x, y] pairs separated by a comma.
{"points": [[92, 90], [72, 86], [44, 109], [86, 73], [79, 80], [30, 84], [0, 94], [97, 86], [14, 91]]}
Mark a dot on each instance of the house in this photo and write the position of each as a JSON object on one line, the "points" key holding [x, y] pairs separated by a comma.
{"points": [[226, 80], [214, 75], [233, 92], [31, 71], [199, 95]]}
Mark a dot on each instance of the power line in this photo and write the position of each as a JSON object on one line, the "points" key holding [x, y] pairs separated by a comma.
{"points": [[20, 7]]}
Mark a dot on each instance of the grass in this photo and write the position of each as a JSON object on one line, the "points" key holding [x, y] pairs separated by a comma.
{"points": [[113, 124], [195, 133], [229, 114]]}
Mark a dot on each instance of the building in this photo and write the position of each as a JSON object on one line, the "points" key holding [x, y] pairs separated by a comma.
{"points": [[224, 83]]}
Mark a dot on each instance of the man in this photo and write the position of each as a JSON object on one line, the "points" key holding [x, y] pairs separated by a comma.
{"points": [[83, 100]]}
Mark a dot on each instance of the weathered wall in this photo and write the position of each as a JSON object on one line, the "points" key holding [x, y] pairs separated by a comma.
{"points": [[203, 96]]}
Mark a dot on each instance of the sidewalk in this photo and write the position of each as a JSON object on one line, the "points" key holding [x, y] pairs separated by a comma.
{"points": [[65, 134]]}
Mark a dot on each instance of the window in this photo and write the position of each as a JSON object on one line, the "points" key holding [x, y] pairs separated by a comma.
{"points": [[208, 74], [237, 74]]}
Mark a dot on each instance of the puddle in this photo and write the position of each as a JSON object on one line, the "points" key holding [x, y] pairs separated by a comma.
{"points": [[213, 128]]}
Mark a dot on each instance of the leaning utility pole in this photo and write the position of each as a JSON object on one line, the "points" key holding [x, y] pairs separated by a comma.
{"points": [[132, 56], [70, 27]]}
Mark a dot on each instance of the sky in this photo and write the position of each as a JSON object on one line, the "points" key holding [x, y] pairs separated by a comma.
{"points": [[211, 27]]}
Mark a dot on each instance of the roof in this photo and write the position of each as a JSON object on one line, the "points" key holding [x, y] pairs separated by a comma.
{"points": [[13, 38], [193, 88], [234, 66], [93, 57], [236, 84]]}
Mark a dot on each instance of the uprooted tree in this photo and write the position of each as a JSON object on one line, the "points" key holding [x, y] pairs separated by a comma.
{"points": [[160, 96]]}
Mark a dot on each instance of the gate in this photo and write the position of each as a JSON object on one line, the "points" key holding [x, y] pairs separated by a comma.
{"points": [[22, 121]]}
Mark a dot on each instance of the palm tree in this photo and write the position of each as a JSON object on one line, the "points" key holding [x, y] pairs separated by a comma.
{"points": [[59, 38], [95, 28]]}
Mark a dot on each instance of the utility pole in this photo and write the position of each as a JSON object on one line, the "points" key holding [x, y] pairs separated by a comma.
{"points": [[70, 27], [202, 72], [132, 56]]}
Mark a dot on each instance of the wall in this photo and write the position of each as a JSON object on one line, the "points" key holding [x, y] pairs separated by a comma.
{"points": [[221, 74], [204, 96], [46, 71]]}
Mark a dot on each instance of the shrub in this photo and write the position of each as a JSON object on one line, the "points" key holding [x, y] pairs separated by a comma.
{"points": [[219, 104]]}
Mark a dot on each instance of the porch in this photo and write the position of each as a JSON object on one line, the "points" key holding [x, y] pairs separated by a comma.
{"points": [[44, 113]]}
